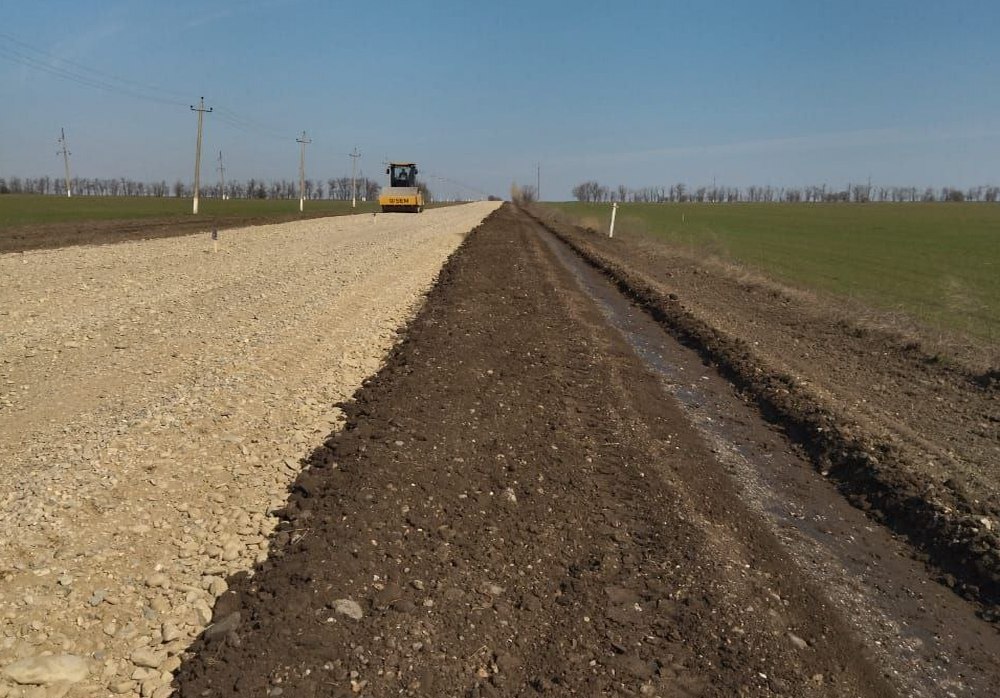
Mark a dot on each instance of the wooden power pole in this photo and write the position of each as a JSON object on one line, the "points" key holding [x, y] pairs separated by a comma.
{"points": [[64, 151], [302, 171], [354, 180], [197, 152]]}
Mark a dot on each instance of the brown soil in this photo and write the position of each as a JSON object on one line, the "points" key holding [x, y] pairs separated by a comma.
{"points": [[517, 508], [52, 235], [910, 437]]}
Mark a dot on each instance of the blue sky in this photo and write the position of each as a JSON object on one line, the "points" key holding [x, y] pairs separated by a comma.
{"points": [[637, 93]]}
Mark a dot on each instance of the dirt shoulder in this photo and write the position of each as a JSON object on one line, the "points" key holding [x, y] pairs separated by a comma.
{"points": [[515, 508], [910, 437]]}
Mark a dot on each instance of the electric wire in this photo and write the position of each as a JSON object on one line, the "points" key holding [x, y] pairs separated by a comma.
{"points": [[18, 52], [89, 69], [25, 55]]}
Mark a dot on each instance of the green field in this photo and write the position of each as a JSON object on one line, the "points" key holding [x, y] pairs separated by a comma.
{"points": [[939, 263], [18, 210]]}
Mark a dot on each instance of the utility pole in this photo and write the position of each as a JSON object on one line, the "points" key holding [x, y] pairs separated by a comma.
{"points": [[222, 178], [538, 182], [197, 152], [302, 171], [64, 151], [354, 186]]}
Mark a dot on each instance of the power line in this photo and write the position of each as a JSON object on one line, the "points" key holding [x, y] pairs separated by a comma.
{"points": [[88, 69], [107, 83], [23, 54], [459, 184]]}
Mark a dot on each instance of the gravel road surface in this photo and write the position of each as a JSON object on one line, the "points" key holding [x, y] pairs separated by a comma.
{"points": [[156, 398]]}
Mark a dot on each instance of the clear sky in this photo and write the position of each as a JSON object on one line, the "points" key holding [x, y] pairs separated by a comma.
{"points": [[639, 93]]}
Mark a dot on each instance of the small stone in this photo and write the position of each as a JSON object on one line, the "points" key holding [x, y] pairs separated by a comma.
{"points": [[145, 657], [203, 614], [169, 632], [798, 641], [223, 627], [64, 668], [417, 584], [171, 665], [404, 606], [97, 597], [158, 580], [163, 692], [349, 608], [149, 686], [121, 686], [218, 587]]}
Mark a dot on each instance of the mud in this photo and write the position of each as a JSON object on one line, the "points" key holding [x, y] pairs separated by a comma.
{"points": [[516, 507], [908, 438]]}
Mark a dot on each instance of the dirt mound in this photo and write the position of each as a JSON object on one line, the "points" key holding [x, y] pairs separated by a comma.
{"points": [[880, 450]]}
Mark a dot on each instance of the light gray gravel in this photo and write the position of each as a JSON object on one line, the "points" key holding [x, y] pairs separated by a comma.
{"points": [[155, 400]]}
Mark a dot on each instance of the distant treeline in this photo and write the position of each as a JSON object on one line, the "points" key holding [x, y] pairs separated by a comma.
{"points": [[856, 193], [338, 189]]}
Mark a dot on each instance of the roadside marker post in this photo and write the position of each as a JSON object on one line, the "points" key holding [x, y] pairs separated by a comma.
{"points": [[614, 213], [215, 239]]}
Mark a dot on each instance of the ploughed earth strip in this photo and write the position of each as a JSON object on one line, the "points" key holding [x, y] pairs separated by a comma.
{"points": [[517, 507], [908, 434]]}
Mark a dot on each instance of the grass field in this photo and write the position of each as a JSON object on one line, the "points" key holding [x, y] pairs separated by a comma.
{"points": [[17, 210], [939, 263]]}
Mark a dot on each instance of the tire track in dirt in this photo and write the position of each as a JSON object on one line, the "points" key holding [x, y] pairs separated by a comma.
{"points": [[514, 508]]}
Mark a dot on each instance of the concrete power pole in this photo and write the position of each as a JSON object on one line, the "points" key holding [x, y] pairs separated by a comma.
{"points": [[354, 180], [64, 151], [197, 152], [222, 178], [302, 171], [538, 182]]}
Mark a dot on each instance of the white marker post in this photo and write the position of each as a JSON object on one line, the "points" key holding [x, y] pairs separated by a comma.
{"points": [[614, 213], [215, 240]]}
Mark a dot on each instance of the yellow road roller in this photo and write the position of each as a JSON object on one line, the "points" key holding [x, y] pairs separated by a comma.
{"points": [[402, 195]]}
